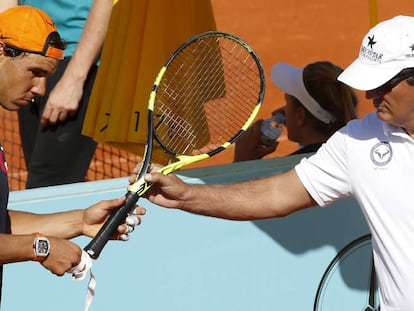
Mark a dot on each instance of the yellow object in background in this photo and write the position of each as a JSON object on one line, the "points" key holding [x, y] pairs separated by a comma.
{"points": [[141, 36], [373, 13]]}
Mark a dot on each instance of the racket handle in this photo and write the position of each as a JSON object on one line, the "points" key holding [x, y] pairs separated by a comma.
{"points": [[95, 247]]}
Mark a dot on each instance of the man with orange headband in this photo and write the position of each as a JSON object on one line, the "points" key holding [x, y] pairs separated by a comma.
{"points": [[30, 49]]}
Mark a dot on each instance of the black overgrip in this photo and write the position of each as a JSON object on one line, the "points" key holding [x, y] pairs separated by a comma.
{"points": [[95, 247]]}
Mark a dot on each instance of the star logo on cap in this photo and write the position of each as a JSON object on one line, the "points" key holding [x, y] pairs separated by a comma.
{"points": [[4, 37], [371, 41], [412, 47]]}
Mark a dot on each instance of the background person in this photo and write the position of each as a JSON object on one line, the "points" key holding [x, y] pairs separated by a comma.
{"points": [[54, 149], [317, 105]]}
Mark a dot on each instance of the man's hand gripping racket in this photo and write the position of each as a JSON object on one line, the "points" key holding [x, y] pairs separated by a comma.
{"points": [[204, 97]]}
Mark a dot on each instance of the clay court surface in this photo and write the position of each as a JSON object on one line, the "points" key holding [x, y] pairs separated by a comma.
{"points": [[294, 31]]}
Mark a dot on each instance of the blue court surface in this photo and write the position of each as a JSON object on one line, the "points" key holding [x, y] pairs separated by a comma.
{"points": [[182, 262]]}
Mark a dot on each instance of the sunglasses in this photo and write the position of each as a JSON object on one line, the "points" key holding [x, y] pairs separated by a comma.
{"points": [[12, 52], [388, 86]]}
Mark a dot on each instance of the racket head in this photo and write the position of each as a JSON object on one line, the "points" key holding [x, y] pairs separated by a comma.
{"points": [[206, 95]]}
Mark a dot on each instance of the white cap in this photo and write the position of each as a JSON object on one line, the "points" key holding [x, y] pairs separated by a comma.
{"points": [[386, 49], [289, 79]]}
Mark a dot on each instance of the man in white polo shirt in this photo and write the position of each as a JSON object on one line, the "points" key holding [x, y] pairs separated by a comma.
{"points": [[371, 159]]}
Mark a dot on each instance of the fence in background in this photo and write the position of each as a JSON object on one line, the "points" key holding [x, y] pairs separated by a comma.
{"points": [[108, 162]]}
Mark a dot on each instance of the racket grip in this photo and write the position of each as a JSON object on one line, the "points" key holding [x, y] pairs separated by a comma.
{"points": [[95, 247]]}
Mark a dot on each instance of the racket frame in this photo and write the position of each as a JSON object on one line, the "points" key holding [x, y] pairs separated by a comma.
{"points": [[137, 188]]}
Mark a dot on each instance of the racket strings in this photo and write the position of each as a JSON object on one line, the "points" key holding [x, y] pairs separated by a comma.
{"points": [[206, 95]]}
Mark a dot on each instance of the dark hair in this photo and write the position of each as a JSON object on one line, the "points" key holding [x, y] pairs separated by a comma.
{"points": [[53, 40], [320, 79], [12, 51], [410, 79]]}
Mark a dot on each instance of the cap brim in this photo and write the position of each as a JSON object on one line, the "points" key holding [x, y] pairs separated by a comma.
{"points": [[289, 79], [286, 77], [367, 77]]}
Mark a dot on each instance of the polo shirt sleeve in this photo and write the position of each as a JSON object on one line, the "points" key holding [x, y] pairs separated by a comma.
{"points": [[325, 174]]}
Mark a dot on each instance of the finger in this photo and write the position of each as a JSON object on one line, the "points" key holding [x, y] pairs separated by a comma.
{"points": [[150, 177], [124, 237], [157, 177], [279, 110], [133, 220], [130, 229], [53, 117], [62, 116], [139, 211], [154, 167], [257, 126], [127, 229], [45, 116], [114, 203], [58, 273], [268, 149], [136, 168], [133, 177]]}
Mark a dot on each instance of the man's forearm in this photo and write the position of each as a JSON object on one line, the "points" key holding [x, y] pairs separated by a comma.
{"points": [[62, 225], [274, 196], [16, 248], [92, 39]]}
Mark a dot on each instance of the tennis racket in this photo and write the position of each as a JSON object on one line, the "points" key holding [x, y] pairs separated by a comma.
{"points": [[204, 98]]}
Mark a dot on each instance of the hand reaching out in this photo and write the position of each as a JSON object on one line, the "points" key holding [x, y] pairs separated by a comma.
{"points": [[249, 146], [166, 190], [95, 216]]}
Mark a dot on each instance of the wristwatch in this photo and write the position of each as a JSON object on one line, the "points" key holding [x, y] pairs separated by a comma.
{"points": [[41, 247]]}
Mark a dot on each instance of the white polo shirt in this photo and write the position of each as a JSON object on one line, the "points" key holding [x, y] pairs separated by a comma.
{"points": [[374, 162]]}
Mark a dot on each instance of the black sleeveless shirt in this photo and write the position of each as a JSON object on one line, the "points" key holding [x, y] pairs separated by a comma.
{"points": [[4, 199]]}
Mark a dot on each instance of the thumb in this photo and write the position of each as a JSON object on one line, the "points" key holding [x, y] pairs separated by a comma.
{"points": [[152, 177], [115, 203], [158, 178]]}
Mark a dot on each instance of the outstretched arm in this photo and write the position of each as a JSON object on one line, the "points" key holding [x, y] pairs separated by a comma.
{"points": [[274, 196], [57, 227], [70, 224]]}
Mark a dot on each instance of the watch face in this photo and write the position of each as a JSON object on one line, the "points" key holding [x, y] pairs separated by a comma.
{"points": [[42, 247]]}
